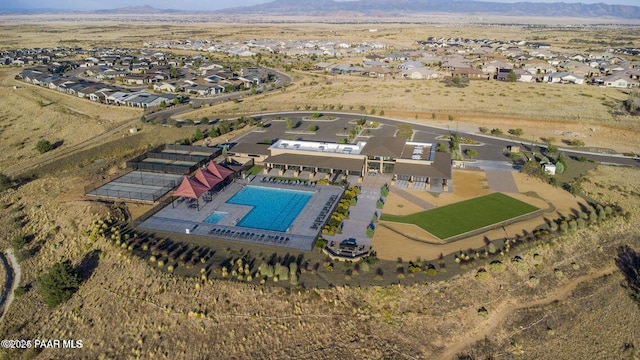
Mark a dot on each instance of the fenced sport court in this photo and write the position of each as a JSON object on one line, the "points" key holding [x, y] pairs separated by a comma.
{"points": [[135, 185]]}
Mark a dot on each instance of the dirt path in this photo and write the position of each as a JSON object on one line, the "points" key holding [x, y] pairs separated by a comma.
{"points": [[23, 167], [507, 308], [14, 273]]}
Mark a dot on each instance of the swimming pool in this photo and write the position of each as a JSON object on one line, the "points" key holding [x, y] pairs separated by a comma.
{"points": [[273, 209], [215, 217]]}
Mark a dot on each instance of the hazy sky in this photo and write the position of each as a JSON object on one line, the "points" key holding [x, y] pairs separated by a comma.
{"points": [[201, 4]]}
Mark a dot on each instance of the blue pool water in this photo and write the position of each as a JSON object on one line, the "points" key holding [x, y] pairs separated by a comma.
{"points": [[273, 209], [215, 217]]}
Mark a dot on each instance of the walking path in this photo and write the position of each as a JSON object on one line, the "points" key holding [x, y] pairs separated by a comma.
{"points": [[12, 269], [412, 198], [508, 308]]}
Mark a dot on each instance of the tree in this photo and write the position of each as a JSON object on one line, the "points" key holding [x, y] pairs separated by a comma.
{"points": [[5, 182], [289, 124], [552, 149], [43, 146], [496, 131], [450, 117], [576, 142], [512, 76], [198, 135], [381, 112], [483, 129], [313, 127], [59, 283]]}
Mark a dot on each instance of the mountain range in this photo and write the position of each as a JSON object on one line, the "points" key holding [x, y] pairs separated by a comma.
{"points": [[404, 7], [389, 8]]}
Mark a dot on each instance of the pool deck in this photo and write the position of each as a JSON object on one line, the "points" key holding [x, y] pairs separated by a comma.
{"points": [[182, 217]]}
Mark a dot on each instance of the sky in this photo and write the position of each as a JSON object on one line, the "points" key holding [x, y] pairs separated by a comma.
{"points": [[204, 4]]}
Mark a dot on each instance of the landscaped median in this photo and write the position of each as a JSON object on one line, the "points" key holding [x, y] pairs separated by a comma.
{"points": [[466, 216]]}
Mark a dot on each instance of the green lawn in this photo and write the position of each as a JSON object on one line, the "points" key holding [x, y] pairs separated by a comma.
{"points": [[255, 170], [459, 218]]}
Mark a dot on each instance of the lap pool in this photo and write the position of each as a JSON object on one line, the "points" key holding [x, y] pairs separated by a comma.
{"points": [[273, 209]]}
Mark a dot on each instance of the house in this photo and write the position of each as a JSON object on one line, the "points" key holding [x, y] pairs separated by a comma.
{"points": [[325, 66], [503, 74], [563, 78], [618, 81], [420, 74], [409, 65], [470, 73], [379, 72], [346, 69], [525, 76]]}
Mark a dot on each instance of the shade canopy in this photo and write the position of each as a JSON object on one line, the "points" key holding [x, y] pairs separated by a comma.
{"points": [[191, 188], [219, 170], [205, 177]]}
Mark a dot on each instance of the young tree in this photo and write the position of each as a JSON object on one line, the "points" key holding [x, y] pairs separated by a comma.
{"points": [[516, 132], [59, 283], [472, 153]]}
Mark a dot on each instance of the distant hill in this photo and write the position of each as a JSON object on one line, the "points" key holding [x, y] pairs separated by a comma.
{"points": [[146, 9], [399, 7]]}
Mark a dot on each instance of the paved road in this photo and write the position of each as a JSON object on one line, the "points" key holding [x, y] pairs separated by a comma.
{"points": [[491, 151], [282, 80]]}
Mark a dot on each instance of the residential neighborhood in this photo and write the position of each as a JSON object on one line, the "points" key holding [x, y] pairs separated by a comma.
{"points": [[136, 78], [438, 57]]}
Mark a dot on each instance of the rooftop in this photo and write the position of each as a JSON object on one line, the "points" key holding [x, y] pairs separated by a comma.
{"points": [[320, 147]]}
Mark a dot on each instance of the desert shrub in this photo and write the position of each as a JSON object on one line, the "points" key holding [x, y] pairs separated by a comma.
{"points": [[20, 290], [5, 182], [497, 266], [364, 266], [18, 242], [482, 274], [43, 146], [492, 248], [533, 281], [59, 283], [483, 312], [516, 132], [519, 263]]}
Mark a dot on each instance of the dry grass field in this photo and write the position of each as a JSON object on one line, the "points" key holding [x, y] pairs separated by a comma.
{"points": [[31, 113], [127, 308]]}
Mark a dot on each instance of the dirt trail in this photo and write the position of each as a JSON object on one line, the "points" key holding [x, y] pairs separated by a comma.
{"points": [[14, 273], [507, 308]]}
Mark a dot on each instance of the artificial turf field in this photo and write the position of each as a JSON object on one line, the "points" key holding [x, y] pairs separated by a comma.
{"points": [[459, 218]]}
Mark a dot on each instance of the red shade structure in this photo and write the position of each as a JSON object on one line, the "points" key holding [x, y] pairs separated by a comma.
{"points": [[191, 188], [219, 170], [206, 178]]}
